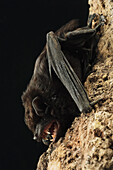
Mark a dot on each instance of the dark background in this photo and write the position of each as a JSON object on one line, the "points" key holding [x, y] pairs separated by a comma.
{"points": [[23, 28]]}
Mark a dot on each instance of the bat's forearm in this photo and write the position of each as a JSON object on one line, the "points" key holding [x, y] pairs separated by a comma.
{"points": [[65, 73]]}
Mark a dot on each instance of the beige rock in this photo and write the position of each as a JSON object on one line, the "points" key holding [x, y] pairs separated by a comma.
{"points": [[88, 144]]}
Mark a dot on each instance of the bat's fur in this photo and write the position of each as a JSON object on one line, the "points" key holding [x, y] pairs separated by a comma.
{"points": [[51, 92]]}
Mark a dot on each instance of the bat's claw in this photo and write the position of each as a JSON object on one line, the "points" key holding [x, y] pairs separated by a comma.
{"points": [[95, 102], [102, 19], [98, 18], [90, 19]]}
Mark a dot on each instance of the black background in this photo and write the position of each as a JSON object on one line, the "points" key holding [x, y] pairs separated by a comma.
{"points": [[23, 28]]}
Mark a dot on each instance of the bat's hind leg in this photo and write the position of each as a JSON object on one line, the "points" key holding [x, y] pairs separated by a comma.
{"points": [[83, 35]]}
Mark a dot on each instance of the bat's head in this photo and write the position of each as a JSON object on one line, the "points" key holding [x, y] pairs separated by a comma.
{"points": [[47, 122], [48, 126]]}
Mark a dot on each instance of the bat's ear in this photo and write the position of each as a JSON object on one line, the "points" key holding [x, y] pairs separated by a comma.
{"points": [[38, 106]]}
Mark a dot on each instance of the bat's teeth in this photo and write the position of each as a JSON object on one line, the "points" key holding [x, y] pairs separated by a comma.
{"points": [[53, 136], [48, 133], [49, 136], [46, 139]]}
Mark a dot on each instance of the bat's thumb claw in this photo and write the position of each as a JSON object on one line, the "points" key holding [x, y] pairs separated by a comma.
{"points": [[49, 35], [95, 102]]}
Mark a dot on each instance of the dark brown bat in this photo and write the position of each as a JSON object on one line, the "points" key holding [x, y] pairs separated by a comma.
{"points": [[55, 94]]}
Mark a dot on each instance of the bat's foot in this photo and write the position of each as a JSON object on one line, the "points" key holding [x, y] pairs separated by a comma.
{"points": [[102, 19], [98, 19]]}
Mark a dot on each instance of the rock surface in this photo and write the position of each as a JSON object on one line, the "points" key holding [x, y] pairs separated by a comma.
{"points": [[88, 144]]}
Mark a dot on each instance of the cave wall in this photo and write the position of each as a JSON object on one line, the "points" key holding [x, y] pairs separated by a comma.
{"points": [[88, 143]]}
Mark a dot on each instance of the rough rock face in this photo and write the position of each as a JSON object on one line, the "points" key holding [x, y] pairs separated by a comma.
{"points": [[88, 144]]}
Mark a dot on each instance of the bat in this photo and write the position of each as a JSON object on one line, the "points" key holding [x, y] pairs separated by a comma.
{"points": [[55, 94]]}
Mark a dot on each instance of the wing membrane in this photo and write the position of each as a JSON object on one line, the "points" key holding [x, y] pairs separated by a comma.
{"points": [[64, 71]]}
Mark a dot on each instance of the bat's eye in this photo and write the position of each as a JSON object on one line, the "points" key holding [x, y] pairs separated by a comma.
{"points": [[39, 106]]}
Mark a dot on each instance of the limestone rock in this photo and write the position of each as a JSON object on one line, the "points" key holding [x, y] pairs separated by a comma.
{"points": [[88, 144]]}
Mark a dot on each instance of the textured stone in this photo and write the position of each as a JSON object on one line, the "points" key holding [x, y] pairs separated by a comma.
{"points": [[88, 144]]}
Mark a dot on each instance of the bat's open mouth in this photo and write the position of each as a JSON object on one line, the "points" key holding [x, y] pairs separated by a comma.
{"points": [[50, 132]]}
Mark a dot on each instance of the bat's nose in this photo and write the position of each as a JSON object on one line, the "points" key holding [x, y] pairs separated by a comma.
{"points": [[34, 138]]}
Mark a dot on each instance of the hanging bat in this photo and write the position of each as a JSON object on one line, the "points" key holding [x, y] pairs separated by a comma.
{"points": [[55, 94]]}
